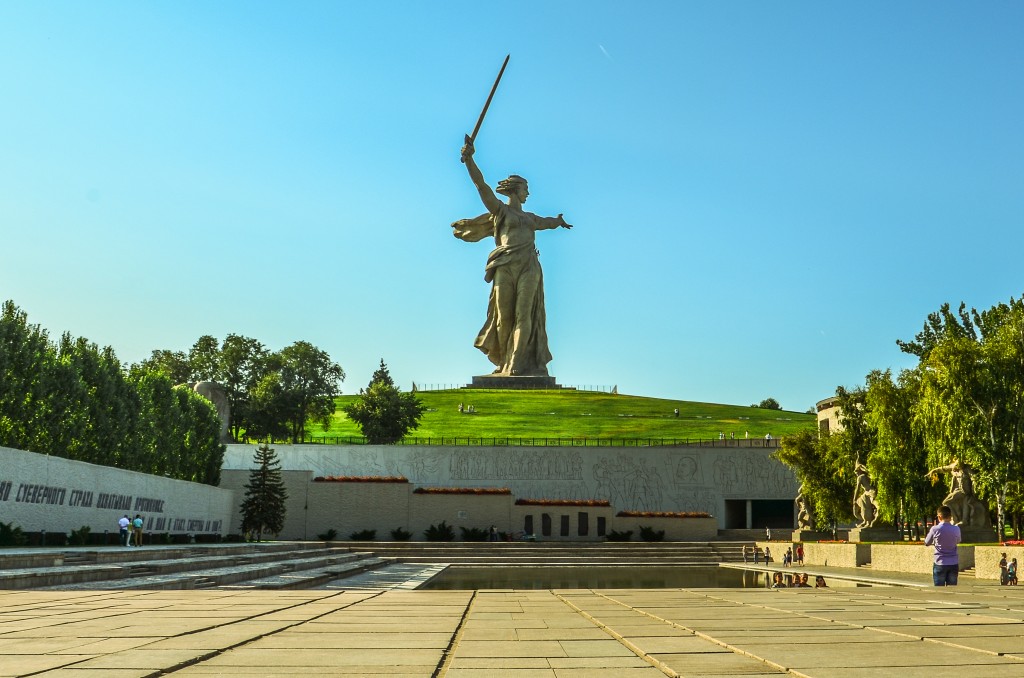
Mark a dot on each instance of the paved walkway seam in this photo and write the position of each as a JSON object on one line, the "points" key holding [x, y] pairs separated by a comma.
{"points": [[661, 666], [695, 632], [449, 652]]}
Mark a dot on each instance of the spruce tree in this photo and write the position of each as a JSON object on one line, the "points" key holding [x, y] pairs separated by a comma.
{"points": [[263, 508], [383, 413]]}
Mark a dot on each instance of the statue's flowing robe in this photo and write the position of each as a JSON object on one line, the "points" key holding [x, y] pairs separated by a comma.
{"points": [[533, 354]]}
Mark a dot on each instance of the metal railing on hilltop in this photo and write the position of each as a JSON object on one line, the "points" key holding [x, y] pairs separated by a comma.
{"points": [[516, 441], [589, 388]]}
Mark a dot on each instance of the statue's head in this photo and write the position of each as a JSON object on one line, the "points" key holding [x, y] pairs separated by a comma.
{"points": [[514, 185]]}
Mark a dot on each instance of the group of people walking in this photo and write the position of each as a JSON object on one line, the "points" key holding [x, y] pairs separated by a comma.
{"points": [[130, 530]]}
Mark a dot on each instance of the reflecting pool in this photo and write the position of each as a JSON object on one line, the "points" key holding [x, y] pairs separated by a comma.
{"points": [[459, 577]]}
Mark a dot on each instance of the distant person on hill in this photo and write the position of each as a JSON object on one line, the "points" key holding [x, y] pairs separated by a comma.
{"points": [[676, 412], [944, 536]]}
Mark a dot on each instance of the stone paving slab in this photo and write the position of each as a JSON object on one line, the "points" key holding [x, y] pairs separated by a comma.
{"points": [[848, 633]]}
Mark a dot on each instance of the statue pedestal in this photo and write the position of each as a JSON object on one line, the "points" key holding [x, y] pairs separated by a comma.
{"points": [[811, 535], [977, 535], [882, 533], [504, 381]]}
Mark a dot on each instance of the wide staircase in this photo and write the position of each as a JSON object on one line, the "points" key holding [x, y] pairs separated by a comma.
{"points": [[289, 565], [280, 565]]}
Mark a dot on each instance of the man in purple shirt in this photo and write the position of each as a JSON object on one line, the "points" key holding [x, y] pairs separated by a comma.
{"points": [[944, 535]]}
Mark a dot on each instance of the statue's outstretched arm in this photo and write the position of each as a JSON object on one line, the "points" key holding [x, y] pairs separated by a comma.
{"points": [[490, 200], [551, 222]]}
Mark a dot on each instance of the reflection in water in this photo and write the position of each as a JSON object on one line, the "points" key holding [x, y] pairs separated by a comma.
{"points": [[605, 577]]}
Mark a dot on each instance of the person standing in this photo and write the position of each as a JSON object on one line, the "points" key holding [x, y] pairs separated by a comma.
{"points": [[1004, 578], [944, 536], [137, 524], [1011, 573], [125, 522], [800, 554]]}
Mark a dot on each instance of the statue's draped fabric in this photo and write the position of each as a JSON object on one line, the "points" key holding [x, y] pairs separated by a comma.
{"points": [[517, 344]]}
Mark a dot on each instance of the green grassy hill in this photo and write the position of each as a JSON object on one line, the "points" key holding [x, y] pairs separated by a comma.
{"points": [[578, 414]]}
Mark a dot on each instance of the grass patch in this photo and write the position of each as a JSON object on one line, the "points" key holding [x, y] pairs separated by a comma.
{"points": [[579, 414]]}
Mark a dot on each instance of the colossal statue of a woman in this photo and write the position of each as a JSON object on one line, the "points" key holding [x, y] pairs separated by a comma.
{"points": [[514, 336]]}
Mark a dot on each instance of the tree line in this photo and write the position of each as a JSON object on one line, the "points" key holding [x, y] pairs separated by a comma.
{"points": [[273, 395], [963, 400], [69, 398]]}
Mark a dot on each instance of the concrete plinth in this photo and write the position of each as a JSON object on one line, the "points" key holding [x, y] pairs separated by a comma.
{"points": [[811, 535], [977, 535], [514, 382], [883, 533]]}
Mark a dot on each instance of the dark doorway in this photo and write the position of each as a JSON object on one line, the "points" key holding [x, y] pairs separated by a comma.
{"points": [[774, 513], [735, 514]]}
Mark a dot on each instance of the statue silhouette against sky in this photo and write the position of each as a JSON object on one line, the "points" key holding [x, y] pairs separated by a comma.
{"points": [[514, 336]]}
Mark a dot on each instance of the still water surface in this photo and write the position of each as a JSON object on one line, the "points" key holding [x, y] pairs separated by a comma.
{"points": [[459, 577]]}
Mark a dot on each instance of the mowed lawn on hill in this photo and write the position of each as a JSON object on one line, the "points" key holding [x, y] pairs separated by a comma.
{"points": [[580, 414]]}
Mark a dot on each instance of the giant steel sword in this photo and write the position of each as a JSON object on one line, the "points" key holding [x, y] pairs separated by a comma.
{"points": [[471, 138]]}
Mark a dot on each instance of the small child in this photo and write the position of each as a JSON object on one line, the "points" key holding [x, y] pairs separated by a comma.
{"points": [[1011, 572]]}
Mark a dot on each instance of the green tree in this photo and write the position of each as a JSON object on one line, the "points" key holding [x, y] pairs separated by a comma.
{"points": [[769, 404], [899, 459], [383, 412], [263, 509], [25, 357], [972, 405], [204, 359], [310, 382], [243, 364], [382, 375], [824, 467], [173, 364]]}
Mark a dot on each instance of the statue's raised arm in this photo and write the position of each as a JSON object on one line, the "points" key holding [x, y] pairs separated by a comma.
{"points": [[490, 200]]}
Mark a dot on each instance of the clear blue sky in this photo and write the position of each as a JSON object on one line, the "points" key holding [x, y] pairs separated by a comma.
{"points": [[766, 195]]}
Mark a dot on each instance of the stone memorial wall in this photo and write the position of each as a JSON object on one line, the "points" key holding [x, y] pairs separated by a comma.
{"points": [[43, 493], [633, 479]]}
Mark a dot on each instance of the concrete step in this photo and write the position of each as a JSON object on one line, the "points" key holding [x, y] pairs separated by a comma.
{"points": [[218, 577], [162, 563]]}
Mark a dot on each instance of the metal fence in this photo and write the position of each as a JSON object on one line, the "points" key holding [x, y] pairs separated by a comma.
{"points": [[510, 441], [418, 387]]}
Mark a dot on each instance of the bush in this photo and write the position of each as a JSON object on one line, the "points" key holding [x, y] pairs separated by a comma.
{"points": [[474, 534], [10, 535], [80, 537], [329, 535], [648, 533], [363, 535], [615, 535], [398, 534], [440, 532]]}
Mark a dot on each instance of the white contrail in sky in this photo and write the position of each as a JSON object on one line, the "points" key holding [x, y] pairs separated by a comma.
{"points": [[604, 51]]}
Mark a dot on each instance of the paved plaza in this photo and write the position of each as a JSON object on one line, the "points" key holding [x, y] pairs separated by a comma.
{"points": [[974, 630]]}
